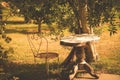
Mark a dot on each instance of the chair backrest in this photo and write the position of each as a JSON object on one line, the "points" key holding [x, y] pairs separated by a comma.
{"points": [[37, 42]]}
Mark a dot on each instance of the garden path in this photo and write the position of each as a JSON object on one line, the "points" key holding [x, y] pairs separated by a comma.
{"points": [[86, 76]]}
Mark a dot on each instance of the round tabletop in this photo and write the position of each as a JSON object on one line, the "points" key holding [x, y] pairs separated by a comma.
{"points": [[78, 39]]}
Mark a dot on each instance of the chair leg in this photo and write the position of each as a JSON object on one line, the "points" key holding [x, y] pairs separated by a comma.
{"points": [[35, 60], [58, 65], [47, 68]]}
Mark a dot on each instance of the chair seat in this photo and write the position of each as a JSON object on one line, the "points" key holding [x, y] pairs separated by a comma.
{"points": [[49, 55]]}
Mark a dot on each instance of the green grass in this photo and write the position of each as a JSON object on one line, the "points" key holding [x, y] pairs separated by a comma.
{"points": [[109, 52]]}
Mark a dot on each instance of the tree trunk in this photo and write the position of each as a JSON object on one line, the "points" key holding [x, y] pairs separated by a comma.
{"points": [[39, 27], [1, 14], [83, 17], [90, 51]]}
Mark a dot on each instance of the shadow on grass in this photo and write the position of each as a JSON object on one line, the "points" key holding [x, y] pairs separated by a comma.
{"points": [[28, 72], [19, 27], [20, 30], [15, 31], [14, 22]]}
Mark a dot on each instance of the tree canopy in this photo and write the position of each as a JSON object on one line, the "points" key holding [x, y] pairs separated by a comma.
{"points": [[75, 14]]}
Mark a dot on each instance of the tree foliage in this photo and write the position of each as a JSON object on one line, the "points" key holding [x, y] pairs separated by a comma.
{"points": [[66, 13], [102, 11], [44, 11], [98, 12]]}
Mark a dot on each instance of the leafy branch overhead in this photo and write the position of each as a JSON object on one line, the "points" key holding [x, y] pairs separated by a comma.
{"points": [[68, 13]]}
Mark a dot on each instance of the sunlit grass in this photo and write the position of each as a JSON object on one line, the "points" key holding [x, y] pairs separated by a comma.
{"points": [[109, 52], [108, 48]]}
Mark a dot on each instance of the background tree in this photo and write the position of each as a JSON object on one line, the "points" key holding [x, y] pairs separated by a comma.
{"points": [[92, 13], [30, 9], [46, 12], [95, 12]]}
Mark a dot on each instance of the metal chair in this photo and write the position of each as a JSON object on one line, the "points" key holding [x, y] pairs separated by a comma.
{"points": [[37, 43]]}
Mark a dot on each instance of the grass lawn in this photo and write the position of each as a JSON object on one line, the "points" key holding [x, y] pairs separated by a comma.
{"points": [[22, 59]]}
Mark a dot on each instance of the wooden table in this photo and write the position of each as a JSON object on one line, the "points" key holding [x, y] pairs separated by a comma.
{"points": [[78, 42], [78, 39]]}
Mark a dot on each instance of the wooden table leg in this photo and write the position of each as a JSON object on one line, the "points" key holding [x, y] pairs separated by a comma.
{"points": [[69, 57], [79, 51], [80, 55]]}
